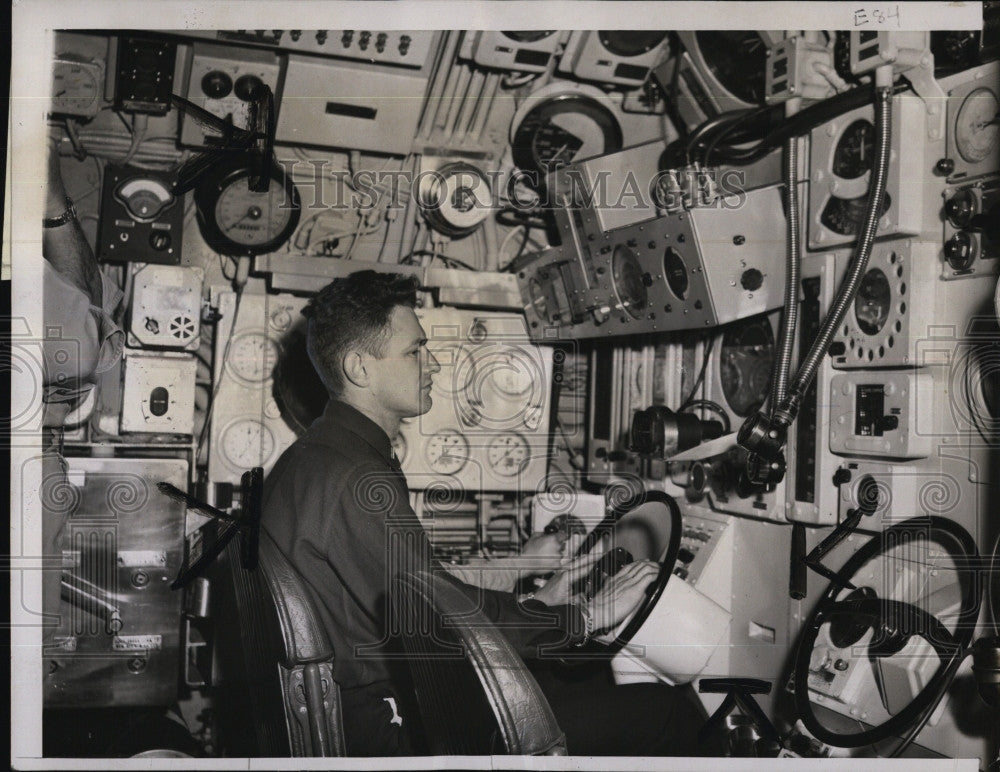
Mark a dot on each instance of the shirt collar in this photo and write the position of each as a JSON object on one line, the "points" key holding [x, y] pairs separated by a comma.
{"points": [[339, 416]]}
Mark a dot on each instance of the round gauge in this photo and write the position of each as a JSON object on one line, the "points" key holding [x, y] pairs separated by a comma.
{"points": [[852, 157], [252, 357], [248, 87], [976, 129], [238, 221], [872, 302], [627, 275], [144, 198], [745, 365], [508, 454], [247, 443], [561, 128], [737, 60], [447, 451], [846, 215], [675, 273], [511, 370], [528, 36], [76, 87], [630, 42]]}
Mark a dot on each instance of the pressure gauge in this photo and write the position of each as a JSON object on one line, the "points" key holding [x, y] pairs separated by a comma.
{"points": [[976, 128], [252, 357], [235, 220], [508, 454], [76, 87], [447, 451], [845, 216], [247, 443], [511, 370], [627, 275], [852, 157], [561, 124]]}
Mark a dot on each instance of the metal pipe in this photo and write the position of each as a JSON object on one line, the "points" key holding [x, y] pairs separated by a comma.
{"points": [[790, 316]]}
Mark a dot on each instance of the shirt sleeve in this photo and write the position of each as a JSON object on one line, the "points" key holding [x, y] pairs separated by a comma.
{"points": [[81, 340]]}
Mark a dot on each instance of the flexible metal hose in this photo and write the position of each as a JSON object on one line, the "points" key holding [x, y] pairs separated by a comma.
{"points": [[849, 287], [790, 316]]}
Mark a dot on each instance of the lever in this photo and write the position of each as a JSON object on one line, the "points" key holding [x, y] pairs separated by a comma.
{"points": [[867, 504]]}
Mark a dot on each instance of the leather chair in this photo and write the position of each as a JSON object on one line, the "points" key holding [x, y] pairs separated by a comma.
{"points": [[476, 695], [296, 711]]}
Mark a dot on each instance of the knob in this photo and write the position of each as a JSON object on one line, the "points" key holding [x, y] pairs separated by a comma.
{"points": [[295, 34], [346, 38], [841, 476], [751, 280], [958, 251], [321, 36], [888, 423], [837, 348], [960, 208]]}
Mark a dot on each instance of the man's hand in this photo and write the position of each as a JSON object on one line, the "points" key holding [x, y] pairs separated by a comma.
{"points": [[558, 590], [620, 596]]}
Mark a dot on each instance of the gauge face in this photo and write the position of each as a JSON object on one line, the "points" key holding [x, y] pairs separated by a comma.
{"points": [[250, 218], [630, 42], [737, 59], [853, 154], [626, 273], [76, 88], [508, 454], [562, 129], [976, 130], [675, 273], [846, 215], [237, 221], [745, 365], [872, 303], [528, 36], [252, 357], [144, 198], [247, 443], [447, 452], [511, 370]]}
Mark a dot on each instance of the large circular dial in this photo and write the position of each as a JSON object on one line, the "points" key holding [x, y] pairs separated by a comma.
{"points": [[561, 128], [976, 129], [144, 197], [508, 454], [737, 59], [239, 221], [252, 357], [247, 443], [745, 365], [447, 452], [511, 370]]}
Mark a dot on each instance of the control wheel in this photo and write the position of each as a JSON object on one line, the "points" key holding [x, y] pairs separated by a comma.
{"points": [[862, 629]]}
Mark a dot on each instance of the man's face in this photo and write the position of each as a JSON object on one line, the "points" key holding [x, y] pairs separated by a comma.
{"points": [[401, 378]]}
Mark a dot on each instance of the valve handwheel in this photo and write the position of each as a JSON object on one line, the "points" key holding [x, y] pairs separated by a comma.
{"points": [[893, 623], [655, 590]]}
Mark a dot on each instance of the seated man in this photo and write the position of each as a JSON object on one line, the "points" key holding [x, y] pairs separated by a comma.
{"points": [[336, 504]]}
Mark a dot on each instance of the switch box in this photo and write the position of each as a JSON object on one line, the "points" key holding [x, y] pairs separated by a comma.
{"points": [[158, 393]]}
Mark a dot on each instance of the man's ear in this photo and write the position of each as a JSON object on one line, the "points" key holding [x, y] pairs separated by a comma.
{"points": [[354, 369]]}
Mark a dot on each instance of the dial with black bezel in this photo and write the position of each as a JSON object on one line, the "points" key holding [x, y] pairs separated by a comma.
{"points": [[238, 221]]}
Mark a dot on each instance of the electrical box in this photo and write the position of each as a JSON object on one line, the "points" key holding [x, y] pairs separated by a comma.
{"points": [[158, 393], [165, 311], [348, 104], [118, 640], [620, 57], [520, 51], [141, 219], [144, 74], [224, 80], [875, 413]]}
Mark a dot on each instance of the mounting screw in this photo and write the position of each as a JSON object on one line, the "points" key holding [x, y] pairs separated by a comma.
{"points": [[739, 239]]}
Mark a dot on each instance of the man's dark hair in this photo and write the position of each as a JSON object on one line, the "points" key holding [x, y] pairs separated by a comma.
{"points": [[353, 312]]}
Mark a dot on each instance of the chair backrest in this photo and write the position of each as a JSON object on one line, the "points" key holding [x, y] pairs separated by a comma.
{"points": [[281, 631], [476, 695]]}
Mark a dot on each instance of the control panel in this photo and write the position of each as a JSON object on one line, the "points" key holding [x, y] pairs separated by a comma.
{"points": [[158, 392]]}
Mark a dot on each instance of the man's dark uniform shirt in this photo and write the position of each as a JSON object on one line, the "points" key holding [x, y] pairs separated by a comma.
{"points": [[337, 505]]}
